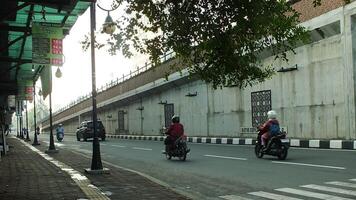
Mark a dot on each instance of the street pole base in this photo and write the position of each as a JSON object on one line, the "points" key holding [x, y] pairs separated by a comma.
{"points": [[49, 151], [97, 171], [35, 144]]}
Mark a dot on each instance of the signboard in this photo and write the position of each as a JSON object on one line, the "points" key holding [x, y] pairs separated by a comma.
{"points": [[47, 44], [25, 90]]}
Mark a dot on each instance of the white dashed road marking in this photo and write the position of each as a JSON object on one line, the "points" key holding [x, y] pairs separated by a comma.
{"points": [[144, 149], [118, 146], [268, 195], [330, 189], [313, 191], [234, 197], [309, 165], [225, 157], [344, 184], [311, 194]]}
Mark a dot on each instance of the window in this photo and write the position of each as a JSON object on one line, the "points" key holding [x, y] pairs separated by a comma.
{"points": [[168, 113], [121, 121], [260, 104]]}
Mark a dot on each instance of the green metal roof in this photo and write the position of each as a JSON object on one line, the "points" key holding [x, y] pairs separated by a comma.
{"points": [[16, 18]]}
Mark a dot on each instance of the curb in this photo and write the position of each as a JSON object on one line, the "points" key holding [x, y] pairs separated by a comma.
{"points": [[302, 143]]}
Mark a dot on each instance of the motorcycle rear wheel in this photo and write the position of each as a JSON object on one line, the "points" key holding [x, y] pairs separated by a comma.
{"points": [[183, 157], [283, 154], [258, 151]]}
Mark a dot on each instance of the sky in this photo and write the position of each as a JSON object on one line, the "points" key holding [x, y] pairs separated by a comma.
{"points": [[76, 71]]}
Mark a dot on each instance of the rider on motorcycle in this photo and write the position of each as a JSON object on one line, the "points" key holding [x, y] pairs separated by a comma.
{"points": [[265, 129], [60, 131], [175, 131]]}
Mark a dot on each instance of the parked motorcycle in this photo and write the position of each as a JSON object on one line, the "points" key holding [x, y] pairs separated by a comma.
{"points": [[179, 149], [276, 146]]}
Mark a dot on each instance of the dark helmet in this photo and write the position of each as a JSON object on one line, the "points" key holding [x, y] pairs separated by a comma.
{"points": [[175, 119]]}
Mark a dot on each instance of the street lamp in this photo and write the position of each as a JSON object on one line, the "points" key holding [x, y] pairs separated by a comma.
{"points": [[52, 147], [109, 25], [58, 73], [35, 141], [27, 133], [96, 164]]}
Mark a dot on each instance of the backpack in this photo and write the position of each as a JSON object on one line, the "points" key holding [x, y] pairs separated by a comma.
{"points": [[274, 129]]}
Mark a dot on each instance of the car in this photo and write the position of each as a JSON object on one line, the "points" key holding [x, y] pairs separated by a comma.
{"points": [[85, 130]]}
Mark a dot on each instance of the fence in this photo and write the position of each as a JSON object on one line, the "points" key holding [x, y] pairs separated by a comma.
{"points": [[166, 57]]}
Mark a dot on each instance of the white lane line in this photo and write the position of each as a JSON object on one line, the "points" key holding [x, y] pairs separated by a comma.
{"points": [[56, 143], [344, 184], [268, 195], [353, 179], [144, 149], [311, 149], [330, 189], [311, 194], [309, 165], [234, 197], [226, 157], [114, 145]]}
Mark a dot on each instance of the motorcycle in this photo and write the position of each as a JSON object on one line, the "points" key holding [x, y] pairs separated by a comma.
{"points": [[60, 136], [178, 149], [276, 146]]}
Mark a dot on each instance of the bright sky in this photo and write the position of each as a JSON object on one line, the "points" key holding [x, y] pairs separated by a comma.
{"points": [[76, 71]]}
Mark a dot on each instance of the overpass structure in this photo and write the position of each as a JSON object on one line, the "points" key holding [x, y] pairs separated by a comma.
{"points": [[314, 93]]}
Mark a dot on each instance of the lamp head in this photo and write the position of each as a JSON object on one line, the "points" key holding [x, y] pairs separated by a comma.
{"points": [[109, 25], [58, 73]]}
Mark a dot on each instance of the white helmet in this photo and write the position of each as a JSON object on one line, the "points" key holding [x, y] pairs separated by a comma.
{"points": [[272, 114]]}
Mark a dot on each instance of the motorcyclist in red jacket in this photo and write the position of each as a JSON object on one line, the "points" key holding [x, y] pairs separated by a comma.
{"points": [[174, 131], [265, 128]]}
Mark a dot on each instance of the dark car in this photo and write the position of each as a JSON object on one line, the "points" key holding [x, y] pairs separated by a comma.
{"points": [[85, 130]]}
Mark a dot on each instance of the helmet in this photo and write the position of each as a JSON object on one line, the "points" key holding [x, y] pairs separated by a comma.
{"points": [[175, 119], [272, 114], [60, 124]]}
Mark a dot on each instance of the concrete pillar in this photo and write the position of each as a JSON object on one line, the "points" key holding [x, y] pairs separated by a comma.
{"points": [[348, 31]]}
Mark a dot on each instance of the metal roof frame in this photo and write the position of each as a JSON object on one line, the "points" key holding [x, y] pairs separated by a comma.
{"points": [[16, 17]]}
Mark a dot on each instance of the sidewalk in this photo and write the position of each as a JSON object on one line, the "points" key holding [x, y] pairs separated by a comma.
{"points": [[26, 174]]}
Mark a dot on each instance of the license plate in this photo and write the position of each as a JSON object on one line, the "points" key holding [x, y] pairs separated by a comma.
{"points": [[285, 140]]}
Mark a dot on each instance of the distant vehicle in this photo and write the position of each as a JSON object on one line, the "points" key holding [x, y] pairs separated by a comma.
{"points": [[85, 130]]}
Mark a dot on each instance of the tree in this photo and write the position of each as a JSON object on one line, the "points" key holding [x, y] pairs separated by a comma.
{"points": [[219, 40]]}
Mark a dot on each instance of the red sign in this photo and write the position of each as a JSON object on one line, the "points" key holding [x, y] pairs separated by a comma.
{"points": [[29, 90], [57, 46]]}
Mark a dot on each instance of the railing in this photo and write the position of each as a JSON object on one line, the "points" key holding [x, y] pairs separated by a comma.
{"points": [[166, 57]]}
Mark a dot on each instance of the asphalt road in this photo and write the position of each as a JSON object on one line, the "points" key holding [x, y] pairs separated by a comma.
{"points": [[215, 171]]}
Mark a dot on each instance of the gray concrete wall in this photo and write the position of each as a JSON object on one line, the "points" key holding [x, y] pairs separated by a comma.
{"points": [[315, 101]]}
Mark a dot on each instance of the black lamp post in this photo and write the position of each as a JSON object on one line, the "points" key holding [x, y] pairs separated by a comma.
{"points": [[96, 164], [18, 119], [21, 121], [35, 141], [52, 147], [27, 133]]}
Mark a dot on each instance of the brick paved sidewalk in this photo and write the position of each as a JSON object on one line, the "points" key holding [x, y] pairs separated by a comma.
{"points": [[24, 174], [120, 183]]}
